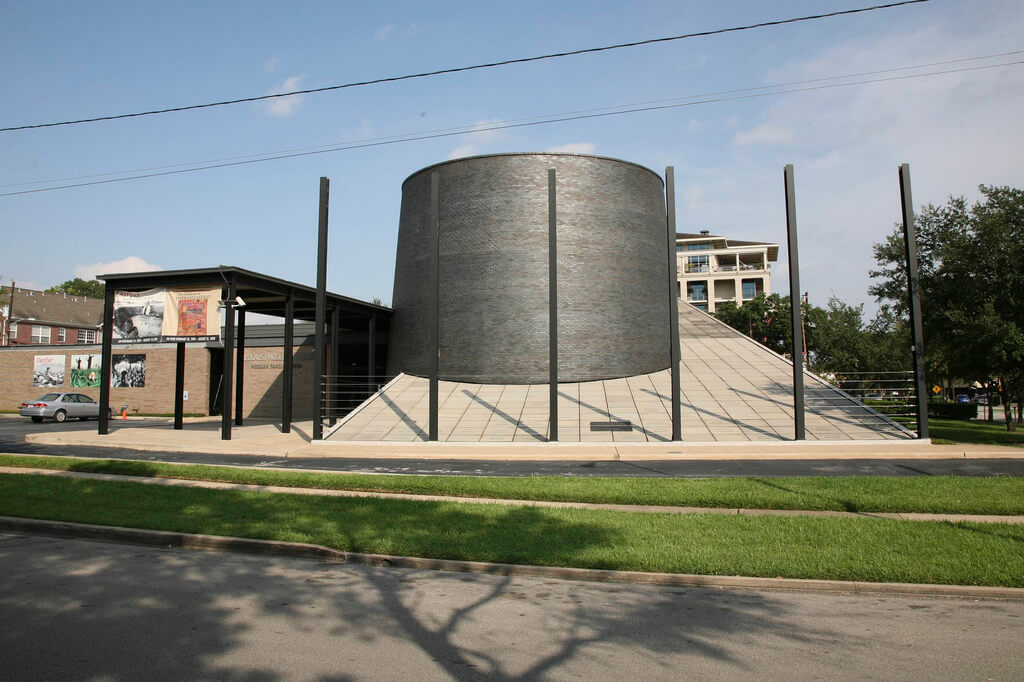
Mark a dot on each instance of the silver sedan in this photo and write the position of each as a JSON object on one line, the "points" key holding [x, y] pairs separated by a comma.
{"points": [[61, 406]]}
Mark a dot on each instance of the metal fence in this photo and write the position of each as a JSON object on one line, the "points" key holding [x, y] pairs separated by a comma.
{"points": [[891, 394], [343, 393]]}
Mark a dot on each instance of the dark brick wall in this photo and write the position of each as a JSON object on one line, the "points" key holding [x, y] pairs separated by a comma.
{"points": [[612, 308]]}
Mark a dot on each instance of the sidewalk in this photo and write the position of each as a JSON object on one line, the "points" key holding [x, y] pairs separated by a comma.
{"points": [[257, 437]]}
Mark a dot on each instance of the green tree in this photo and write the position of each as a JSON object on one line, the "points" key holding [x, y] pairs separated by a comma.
{"points": [[971, 262], [763, 318], [92, 288]]}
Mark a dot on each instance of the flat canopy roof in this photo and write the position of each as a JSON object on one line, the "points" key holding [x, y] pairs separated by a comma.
{"points": [[261, 293]]}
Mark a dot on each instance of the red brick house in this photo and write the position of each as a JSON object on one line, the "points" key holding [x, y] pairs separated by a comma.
{"points": [[29, 317]]}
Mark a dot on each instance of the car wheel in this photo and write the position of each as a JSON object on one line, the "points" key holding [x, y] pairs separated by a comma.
{"points": [[59, 416], [37, 420]]}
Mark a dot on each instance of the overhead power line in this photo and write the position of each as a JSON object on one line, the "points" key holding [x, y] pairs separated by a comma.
{"points": [[474, 67], [469, 128], [503, 126]]}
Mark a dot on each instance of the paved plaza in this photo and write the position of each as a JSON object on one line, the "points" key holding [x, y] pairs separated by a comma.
{"points": [[733, 390]]}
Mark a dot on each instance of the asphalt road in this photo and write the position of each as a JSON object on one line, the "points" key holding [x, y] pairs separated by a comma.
{"points": [[13, 430], [72, 609]]}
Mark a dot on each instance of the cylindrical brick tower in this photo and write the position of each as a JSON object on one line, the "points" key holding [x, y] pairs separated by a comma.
{"points": [[612, 298]]}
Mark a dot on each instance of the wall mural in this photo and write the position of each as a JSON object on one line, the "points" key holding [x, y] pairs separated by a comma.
{"points": [[48, 370], [85, 371], [128, 371]]}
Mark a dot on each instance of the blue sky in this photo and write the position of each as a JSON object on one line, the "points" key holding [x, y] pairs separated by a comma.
{"points": [[67, 60]]}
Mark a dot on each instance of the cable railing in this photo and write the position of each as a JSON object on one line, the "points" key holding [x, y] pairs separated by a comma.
{"points": [[892, 395], [342, 393]]}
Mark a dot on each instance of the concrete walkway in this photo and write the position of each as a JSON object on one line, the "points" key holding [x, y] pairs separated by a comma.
{"points": [[256, 437]]}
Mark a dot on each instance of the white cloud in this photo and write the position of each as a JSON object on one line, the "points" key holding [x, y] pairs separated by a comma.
{"points": [[284, 106], [476, 138], [574, 148], [390, 31], [463, 150], [129, 264], [271, 64], [956, 130], [766, 134]]}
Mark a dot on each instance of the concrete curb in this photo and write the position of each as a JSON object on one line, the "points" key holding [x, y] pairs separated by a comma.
{"points": [[522, 451], [598, 506], [160, 538]]}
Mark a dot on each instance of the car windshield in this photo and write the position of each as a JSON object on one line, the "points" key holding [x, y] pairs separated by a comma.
{"points": [[49, 396]]}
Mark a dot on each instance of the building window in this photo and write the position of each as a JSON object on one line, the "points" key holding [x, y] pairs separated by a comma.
{"points": [[698, 247], [61, 334], [40, 334], [698, 264], [12, 331], [86, 336], [696, 291], [749, 289], [703, 307]]}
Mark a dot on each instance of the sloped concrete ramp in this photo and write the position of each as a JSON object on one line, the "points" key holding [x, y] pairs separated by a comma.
{"points": [[733, 390]]}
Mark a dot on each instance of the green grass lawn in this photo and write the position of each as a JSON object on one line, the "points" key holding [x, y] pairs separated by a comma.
{"points": [[876, 550], [984, 433], [934, 494]]}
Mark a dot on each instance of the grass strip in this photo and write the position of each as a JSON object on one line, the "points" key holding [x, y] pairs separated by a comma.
{"points": [[1000, 495], [876, 550], [982, 433]]}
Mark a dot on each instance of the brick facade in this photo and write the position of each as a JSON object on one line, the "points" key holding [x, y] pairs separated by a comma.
{"points": [[262, 380], [612, 270]]}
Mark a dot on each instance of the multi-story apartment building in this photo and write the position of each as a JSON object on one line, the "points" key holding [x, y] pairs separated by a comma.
{"points": [[713, 269], [36, 317]]}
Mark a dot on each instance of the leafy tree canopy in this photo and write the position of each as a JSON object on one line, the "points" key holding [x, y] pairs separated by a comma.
{"points": [[92, 288], [971, 263]]}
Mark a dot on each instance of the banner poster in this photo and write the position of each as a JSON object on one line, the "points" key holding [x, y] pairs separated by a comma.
{"points": [[128, 371], [48, 370], [192, 315], [166, 316], [85, 371]]}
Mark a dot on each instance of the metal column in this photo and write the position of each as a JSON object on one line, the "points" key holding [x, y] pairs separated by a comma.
{"points": [[239, 366], [179, 385], [675, 352], [435, 301], [914, 293], [105, 358], [371, 348], [552, 309], [229, 349], [286, 355], [321, 313], [335, 361], [796, 310]]}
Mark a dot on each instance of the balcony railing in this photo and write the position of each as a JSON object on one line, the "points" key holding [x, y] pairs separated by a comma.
{"points": [[701, 269]]}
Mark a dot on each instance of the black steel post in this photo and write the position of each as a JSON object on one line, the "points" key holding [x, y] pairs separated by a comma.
{"points": [[796, 348], [552, 308], [239, 366], [914, 293], [229, 350], [179, 386], [321, 313], [335, 360], [435, 300], [288, 361], [675, 352], [106, 342], [371, 349]]}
